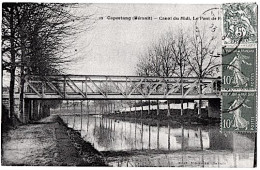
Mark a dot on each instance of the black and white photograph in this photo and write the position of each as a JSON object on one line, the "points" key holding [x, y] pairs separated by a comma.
{"points": [[129, 84]]}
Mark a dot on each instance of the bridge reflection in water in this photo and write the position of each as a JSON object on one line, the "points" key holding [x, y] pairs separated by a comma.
{"points": [[171, 145]]}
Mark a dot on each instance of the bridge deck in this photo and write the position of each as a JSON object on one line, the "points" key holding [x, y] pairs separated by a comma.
{"points": [[84, 87]]}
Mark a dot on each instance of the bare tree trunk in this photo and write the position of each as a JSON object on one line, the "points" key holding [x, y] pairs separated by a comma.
{"points": [[135, 133], [22, 71], [95, 106], [149, 107], [158, 135], [142, 108], [149, 137], [21, 96], [182, 138], [74, 115], [135, 108], [142, 134], [158, 108], [201, 140], [200, 102], [81, 111], [181, 93], [87, 107], [12, 69], [169, 137]]}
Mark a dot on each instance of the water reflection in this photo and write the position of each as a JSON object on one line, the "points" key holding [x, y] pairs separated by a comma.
{"points": [[165, 145]]}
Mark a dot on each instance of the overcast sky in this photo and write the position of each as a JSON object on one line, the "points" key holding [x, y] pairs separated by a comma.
{"points": [[113, 47]]}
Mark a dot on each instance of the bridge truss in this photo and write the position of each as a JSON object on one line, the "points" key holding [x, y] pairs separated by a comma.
{"points": [[80, 87]]}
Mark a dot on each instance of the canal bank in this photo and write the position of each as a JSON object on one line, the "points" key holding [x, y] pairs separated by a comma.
{"points": [[48, 142], [137, 142], [190, 117]]}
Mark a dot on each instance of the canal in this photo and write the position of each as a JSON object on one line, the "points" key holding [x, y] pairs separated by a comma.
{"points": [[133, 143]]}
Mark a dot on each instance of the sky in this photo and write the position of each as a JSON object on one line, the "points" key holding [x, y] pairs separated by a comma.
{"points": [[112, 47]]}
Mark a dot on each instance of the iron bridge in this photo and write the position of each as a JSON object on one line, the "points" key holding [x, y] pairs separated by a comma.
{"points": [[91, 87]]}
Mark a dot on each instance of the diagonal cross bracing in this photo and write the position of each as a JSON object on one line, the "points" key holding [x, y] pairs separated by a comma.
{"points": [[81, 92], [121, 87]]}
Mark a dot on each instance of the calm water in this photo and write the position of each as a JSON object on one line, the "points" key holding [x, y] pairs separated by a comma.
{"points": [[164, 145]]}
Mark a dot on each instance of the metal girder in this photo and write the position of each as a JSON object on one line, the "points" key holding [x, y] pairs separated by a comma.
{"points": [[34, 89], [76, 87], [120, 87], [51, 85]]}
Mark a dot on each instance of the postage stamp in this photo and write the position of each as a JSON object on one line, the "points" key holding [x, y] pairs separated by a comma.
{"points": [[239, 74], [239, 68], [240, 23], [239, 111]]}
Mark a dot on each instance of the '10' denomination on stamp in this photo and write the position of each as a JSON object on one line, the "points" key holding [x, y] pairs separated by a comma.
{"points": [[239, 67], [239, 111]]}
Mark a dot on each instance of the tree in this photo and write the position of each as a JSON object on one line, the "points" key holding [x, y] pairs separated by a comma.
{"points": [[158, 60], [203, 47], [35, 37], [9, 48], [183, 55], [203, 62], [167, 58], [181, 52]]}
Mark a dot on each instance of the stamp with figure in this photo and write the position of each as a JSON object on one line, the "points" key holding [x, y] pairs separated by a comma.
{"points": [[239, 69], [239, 112], [240, 23]]}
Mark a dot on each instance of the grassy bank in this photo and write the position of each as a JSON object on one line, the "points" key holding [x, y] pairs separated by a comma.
{"points": [[89, 154], [175, 118], [48, 142]]}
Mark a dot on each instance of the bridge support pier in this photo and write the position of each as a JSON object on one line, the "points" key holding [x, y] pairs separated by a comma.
{"points": [[34, 110], [26, 110], [214, 108]]}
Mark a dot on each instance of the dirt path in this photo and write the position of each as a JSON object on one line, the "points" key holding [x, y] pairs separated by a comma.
{"points": [[45, 143]]}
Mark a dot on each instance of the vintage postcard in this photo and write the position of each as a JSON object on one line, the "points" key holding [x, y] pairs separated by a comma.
{"points": [[129, 85]]}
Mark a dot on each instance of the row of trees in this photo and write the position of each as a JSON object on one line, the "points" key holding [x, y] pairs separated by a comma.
{"points": [[183, 54], [35, 37]]}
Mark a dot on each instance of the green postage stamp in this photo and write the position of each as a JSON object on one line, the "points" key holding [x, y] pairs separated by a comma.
{"points": [[239, 67], [239, 111]]}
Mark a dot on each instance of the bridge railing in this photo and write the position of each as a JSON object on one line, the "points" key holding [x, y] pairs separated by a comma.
{"points": [[124, 87]]}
